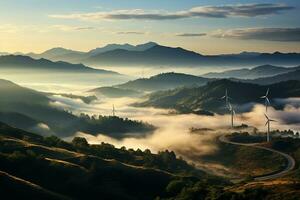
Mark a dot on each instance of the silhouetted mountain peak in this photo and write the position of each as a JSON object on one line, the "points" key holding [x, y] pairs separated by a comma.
{"points": [[172, 50], [266, 67], [126, 46], [146, 46]]}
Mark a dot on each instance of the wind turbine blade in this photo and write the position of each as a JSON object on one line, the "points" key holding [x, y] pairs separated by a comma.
{"points": [[267, 100], [272, 120], [267, 92], [266, 123], [267, 117], [262, 97], [223, 97]]}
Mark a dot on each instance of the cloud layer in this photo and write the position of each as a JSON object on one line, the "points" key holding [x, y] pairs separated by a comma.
{"points": [[268, 34], [240, 10], [131, 33], [191, 34]]}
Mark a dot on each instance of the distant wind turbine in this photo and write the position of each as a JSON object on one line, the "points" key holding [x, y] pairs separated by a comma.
{"points": [[226, 97], [113, 111], [267, 102], [268, 123], [232, 112]]}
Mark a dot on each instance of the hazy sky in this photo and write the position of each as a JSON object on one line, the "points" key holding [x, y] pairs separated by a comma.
{"points": [[208, 27]]}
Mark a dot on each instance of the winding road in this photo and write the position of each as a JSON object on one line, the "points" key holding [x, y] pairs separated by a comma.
{"points": [[290, 160]]}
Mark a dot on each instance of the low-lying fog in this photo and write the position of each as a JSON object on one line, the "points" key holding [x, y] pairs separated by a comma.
{"points": [[63, 82], [146, 71], [48, 81], [173, 130]]}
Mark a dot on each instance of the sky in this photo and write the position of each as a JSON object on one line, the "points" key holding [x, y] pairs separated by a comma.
{"points": [[204, 26]]}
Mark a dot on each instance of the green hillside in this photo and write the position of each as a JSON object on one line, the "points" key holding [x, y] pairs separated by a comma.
{"points": [[54, 169], [164, 81], [31, 108], [50, 168], [253, 73], [208, 97]]}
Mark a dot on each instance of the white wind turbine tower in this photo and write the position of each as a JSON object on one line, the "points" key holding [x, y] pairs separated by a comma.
{"points": [[113, 110], [268, 123], [226, 97], [232, 112], [267, 102]]}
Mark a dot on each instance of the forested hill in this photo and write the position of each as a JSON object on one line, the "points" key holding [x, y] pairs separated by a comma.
{"points": [[208, 97]]}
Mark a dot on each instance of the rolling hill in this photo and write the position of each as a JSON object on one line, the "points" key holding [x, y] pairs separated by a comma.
{"points": [[253, 73], [208, 97], [292, 75], [138, 87], [35, 108], [164, 81], [51, 168]]}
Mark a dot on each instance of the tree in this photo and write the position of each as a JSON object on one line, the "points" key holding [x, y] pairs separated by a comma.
{"points": [[80, 142]]}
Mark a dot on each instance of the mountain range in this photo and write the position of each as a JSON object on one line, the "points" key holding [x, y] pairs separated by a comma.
{"points": [[62, 54], [19, 62], [168, 81], [153, 54]]}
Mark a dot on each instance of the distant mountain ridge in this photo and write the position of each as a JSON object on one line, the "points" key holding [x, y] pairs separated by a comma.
{"points": [[153, 54], [128, 47], [208, 97], [20, 62], [164, 81], [256, 72], [138, 87], [62, 54], [171, 80], [292, 75]]}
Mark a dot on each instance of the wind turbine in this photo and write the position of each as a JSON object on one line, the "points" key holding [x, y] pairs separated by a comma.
{"points": [[226, 97], [267, 102], [232, 112], [113, 110], [268, 123]]}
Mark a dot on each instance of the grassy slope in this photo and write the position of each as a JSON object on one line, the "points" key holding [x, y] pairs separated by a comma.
{"points": [[70, 173], [292, 147], [26, 190], [244, 161]]}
